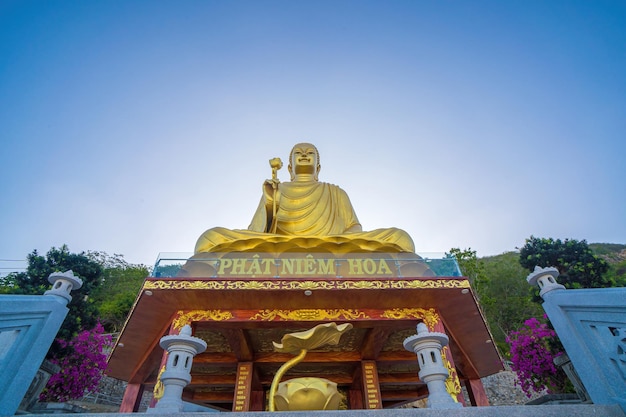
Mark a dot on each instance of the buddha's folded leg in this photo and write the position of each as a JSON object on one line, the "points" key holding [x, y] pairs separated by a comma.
{"points": [[390, 235], [220, 235]]}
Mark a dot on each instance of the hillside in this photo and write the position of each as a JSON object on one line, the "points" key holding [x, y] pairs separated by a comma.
{"points": [[507, 299]]}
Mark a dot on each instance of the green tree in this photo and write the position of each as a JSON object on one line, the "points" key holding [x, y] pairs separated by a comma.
{"points": [[615, 255], [121, 282], [82, 314], [167, 270], [610, 251], [502, 292], [474, 269], [470, 266], [617, 273], [578, 266], [506, 297], [8, 283]]}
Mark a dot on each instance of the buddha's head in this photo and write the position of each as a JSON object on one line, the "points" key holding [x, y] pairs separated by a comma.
{"points": [[304, 159]]}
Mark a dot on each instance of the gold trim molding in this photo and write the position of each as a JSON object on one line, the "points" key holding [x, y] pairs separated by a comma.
{"points": [[429, 283], [309, 315], [211, 284], [186, 317], [429, 316]]}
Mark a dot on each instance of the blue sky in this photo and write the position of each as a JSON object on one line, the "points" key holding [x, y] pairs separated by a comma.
{"points": [[133, 126]]}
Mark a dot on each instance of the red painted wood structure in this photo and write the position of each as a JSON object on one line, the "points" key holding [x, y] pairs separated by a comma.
{"points": [[240, 316]]}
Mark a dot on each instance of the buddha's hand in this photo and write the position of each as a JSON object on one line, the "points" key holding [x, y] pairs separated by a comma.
{"points": [[270, 187]]}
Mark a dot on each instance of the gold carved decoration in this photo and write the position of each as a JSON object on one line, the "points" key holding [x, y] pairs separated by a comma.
{"points": [[430, 283], [309, 285], [429, 316], [183, 285], [186, 317], [363, 285], [159, 388], [309, 315], [402, 284], [453, 385], [253, 285]]}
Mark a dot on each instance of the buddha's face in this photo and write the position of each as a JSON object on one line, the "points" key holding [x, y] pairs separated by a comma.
{"points": [[304, 160]]}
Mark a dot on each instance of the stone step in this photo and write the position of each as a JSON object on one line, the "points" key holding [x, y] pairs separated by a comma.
{"points": [[565, 410]]}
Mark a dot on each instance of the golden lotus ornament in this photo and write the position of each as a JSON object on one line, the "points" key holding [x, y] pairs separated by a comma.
{"points": [[306, 393], [320, 335]]}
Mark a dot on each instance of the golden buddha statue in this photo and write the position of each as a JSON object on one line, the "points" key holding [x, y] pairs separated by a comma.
{"points": [[303, 214]]}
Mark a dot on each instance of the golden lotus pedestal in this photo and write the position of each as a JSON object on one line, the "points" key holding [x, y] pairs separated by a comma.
{"points": [[240, 311], [300, 394]]}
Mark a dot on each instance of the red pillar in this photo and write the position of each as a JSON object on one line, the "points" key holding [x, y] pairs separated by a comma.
{"points": [[476, 392], [132, 398]]}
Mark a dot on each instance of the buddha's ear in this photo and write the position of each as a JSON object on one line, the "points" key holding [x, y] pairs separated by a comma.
{"points": [[317, 172], [290, 169]]}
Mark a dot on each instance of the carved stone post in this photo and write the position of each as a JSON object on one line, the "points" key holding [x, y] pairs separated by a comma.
{"points": [[427, 346], [181, 349]]}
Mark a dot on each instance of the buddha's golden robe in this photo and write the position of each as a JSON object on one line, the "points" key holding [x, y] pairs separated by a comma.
{"points": [[309, 215]]}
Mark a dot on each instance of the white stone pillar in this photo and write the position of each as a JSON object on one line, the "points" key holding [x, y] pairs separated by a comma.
{"points": [[181, 349], [427, 346]]}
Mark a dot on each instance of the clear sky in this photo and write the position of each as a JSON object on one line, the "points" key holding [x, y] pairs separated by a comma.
{"points": [[132, 126]]}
